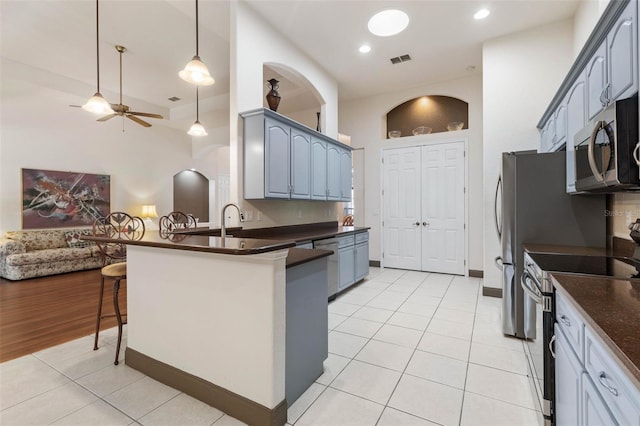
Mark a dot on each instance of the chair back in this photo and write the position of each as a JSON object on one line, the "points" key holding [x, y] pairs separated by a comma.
{"points": [[175, 221], [120, 226]]}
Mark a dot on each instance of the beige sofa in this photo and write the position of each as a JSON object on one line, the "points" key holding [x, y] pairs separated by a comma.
{"points": [[28, 254]]}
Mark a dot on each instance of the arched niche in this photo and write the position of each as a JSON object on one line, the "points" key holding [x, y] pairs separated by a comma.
{"points": [[191, 194], [433, 111], [300, 100]]}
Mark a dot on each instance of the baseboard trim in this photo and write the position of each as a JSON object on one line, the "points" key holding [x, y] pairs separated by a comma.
{"points": [[492, 292], [375, 263], [231, 403], [474, 273]]}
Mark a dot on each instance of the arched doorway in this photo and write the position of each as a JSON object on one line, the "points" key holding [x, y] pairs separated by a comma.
{"points": [[191, 194]]}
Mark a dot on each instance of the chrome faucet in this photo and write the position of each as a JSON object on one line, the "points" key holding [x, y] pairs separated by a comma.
{"points": [[223, 228]]}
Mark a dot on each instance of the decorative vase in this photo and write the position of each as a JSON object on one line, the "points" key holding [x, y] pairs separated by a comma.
{"points": [[273, 97], [318, 125]]}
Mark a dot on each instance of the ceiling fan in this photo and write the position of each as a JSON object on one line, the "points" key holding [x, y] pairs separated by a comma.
{"points": [[123, 110]]}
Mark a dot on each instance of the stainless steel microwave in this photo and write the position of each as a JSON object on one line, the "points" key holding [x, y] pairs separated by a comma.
{"points": [[604, 150]]}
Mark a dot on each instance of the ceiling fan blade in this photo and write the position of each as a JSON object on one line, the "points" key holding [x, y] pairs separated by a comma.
{"points": [[75, 106], [106, 117], [146, 114], [137, 120]]}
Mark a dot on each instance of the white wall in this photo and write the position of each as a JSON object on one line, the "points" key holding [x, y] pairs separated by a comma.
{"points": [[521, 74], [585, 20], [364, 121], [39, 130], [254, 43]]}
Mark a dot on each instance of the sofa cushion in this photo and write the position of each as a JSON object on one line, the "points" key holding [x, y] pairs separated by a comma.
{"points": [[74, 238], [51, 255], [39, 240]]}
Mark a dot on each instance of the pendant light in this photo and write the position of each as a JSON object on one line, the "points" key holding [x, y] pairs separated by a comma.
{"points": [[197, 129], [97, 104], [196, 72]]}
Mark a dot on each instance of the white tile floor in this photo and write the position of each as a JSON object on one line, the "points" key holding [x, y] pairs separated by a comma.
{"points": [[405, 348]]}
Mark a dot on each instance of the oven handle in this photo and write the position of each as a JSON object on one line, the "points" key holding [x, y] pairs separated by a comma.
{"points": [[551, 342], [534, 294], [636, 153], [590, 152]]}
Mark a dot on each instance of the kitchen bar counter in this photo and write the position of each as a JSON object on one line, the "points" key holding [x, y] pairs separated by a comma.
{"points": [[296, 233], [204, 243], [611, 307]]}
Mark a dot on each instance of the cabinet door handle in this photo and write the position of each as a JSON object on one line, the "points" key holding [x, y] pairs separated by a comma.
{"points": [[602, 377], [551, 342], [607, 96], [566, 321], [603, 101]]}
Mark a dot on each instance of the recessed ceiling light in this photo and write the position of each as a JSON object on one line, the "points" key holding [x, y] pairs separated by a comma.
{"points": [[481, 14], [388, 22], [365, 48]]}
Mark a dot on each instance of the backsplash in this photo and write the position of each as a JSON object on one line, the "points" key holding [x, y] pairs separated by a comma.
{"points": [[624, 208]]}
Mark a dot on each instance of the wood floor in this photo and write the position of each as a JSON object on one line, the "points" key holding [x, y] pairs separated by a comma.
{"points": [[42, 312]]}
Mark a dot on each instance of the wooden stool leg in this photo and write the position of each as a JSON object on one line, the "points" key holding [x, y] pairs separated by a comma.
{"points": [[116, 307], [95, 343]]}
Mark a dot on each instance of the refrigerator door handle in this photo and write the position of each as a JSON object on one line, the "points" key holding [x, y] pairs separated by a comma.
{"points": [[495, 208], [532, 291]]}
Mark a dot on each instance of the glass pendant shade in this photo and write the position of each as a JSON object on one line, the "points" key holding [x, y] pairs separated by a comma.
{"points": [[98, 105], [196, 72], [197, 129]]}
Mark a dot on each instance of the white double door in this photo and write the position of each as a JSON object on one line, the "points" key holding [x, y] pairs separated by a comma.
{"points": [[424, 208]]}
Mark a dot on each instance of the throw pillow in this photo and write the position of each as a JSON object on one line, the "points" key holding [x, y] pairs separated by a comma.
{"points": [[73, 238]]}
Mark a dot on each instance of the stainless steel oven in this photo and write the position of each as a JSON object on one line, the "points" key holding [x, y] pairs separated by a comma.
{"points": [[536, 283]]}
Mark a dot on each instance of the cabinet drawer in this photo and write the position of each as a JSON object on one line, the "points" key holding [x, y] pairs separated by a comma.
{"points": [[362, 237], [345, 241], [571, 323], [620, 395]]}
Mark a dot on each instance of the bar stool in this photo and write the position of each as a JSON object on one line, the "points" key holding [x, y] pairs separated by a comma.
{"points": [[120, 226]]}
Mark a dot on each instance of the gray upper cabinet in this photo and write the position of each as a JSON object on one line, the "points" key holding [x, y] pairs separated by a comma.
{"points": [[334, 186], [345, 174], [596, 77], [318, 169], [576, 120], [277, 159], [300, 165], [285, 160], [622, 51], [612, 72], [560, 135]]}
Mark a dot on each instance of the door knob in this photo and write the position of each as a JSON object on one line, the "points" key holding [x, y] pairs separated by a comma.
{"points": [[417, 224], [424, 224]]}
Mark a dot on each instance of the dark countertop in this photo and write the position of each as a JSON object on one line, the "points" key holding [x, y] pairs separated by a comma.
{"points": [[298, 256], [297, 233], [204, 243], [611, 307]]}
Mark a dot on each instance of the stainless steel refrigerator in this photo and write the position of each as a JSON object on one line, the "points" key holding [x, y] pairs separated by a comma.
{"points": [[532, 206]]}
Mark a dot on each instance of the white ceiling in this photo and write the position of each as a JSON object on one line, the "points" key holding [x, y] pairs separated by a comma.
{"points": [[442, 38]]}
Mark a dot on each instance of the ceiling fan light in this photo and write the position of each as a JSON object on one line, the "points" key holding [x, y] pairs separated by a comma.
{"points": [[98, 105], [197, 129], [196, 72]]}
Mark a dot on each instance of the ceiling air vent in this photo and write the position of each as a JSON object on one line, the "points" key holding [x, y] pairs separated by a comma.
{"points": [[174, 99], [398, 59]]}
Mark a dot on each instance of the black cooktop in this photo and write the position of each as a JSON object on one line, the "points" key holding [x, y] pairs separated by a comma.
{"points": [[610, 266]]}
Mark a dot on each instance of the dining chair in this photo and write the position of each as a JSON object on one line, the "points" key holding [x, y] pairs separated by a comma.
{"points": [[175, 221], [123, 227]]}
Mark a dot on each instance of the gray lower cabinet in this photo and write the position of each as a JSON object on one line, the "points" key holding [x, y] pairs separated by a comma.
{"points": [[306, 326], [346, 262], [567, 382], [362, 255], [594, 410]]}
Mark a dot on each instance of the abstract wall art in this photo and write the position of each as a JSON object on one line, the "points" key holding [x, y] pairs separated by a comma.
{"points": [[52, 199]]}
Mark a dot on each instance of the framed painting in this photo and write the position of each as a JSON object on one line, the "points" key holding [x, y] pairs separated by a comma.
{"points": [[52, 199]]}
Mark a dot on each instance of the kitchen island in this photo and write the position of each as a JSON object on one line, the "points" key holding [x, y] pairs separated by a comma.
{"points": [[209, 316]]}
